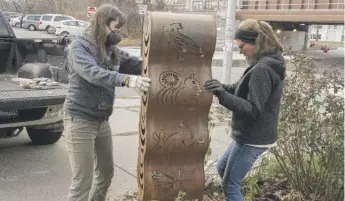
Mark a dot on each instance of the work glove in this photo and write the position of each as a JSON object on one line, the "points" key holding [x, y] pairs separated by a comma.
{"points": [[214, 86], [141, 84]]}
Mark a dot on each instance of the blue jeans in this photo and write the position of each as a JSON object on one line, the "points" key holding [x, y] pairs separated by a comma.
{"points": [[234, 165]]}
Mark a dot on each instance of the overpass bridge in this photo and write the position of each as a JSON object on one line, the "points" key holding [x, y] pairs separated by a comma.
{"points": [[290, 18], [301, 11]]}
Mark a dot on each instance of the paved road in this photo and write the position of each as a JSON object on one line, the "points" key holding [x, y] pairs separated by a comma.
{"points": [[25, 33]]}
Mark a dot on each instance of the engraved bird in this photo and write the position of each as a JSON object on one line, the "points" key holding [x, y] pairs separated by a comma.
{"points": [[181, 42], [165, 182]]}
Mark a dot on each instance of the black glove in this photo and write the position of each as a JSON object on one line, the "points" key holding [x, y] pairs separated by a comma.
{"points": [[214, 86]]}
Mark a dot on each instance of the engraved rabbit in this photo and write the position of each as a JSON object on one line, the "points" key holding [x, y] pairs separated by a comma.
{"points": [[184, 133], [191, 139]]}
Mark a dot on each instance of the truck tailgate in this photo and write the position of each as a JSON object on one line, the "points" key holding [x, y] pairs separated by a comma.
{"points": [[13, 96]]}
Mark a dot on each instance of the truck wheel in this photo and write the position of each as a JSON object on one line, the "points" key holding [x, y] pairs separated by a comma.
{"points": [[43, 136]]}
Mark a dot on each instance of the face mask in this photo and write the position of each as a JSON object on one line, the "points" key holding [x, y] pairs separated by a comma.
{"points": [[113, 38]]}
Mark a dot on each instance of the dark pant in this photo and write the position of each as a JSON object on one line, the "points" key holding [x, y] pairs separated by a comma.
{"points": [[234, 165]]}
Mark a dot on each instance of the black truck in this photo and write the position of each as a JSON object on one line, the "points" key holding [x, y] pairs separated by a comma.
{"points": [[33, 84]]}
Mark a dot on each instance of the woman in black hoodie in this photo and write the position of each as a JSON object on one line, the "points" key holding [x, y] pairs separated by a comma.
{"points": [[254, 101]]}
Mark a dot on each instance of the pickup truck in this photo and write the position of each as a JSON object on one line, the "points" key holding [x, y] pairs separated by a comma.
{"points": [[34, 81], [32, 86]]}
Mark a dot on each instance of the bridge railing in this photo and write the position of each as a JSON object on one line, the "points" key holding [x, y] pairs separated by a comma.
{"points": [[291, 5]]}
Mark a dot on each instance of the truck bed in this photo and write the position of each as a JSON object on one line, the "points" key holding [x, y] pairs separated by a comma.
{"points": [[14, 96]]}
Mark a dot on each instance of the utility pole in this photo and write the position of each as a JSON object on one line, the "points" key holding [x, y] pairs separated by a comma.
{"points": [[317, 33], [229, 40], [143, 4]]}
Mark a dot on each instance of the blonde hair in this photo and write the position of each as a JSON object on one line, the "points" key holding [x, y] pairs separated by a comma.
{"points": [[103, 16], [266, 42]]}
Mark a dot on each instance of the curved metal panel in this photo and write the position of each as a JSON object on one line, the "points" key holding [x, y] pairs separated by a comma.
{"points": [[174, 137]]}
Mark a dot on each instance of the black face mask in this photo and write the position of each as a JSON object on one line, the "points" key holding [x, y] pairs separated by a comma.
{"points": [[113, 38]]}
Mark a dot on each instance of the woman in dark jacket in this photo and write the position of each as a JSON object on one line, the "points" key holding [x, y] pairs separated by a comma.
{"points": [[254, 101]]}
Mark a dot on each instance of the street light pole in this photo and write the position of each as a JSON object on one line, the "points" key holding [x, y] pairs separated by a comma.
{"points": [[229, 39]]}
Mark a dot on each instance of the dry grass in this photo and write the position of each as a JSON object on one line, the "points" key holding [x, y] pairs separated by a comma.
{"points": [[126, 42]]}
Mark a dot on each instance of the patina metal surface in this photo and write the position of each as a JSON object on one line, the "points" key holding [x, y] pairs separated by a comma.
{"points": [[174, 137]]}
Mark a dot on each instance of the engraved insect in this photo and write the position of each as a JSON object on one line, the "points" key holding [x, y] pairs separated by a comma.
{"points": [[165, 182], [161, 138], [182, 43], [189, 92], [191, 138]]}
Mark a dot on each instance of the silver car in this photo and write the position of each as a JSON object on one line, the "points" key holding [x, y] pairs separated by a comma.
{"points": [[16, 22], [31, 22]]}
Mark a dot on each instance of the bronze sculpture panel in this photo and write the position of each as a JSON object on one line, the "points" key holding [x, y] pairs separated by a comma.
{"points": [[174, 137]]}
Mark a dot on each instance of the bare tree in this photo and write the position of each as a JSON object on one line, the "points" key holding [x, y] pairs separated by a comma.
{"points": [[162, 5]]}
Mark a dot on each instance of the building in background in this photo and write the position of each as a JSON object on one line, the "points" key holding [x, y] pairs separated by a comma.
{"points": [[181, 5], [331, 33]]}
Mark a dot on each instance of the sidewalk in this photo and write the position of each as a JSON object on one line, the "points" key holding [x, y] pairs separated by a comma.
{"points": [[125, 139]]}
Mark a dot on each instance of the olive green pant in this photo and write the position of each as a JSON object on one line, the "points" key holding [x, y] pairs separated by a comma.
{"points": [[90, 150]]}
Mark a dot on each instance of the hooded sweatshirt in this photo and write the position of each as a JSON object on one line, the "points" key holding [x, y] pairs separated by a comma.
{"points": [[255, 101], [92, 81]]}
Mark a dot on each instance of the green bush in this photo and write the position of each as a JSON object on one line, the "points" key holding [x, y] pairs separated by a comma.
{"points": [[310, 149]]}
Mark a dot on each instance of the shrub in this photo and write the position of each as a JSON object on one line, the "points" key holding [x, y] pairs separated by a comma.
{"points": [[310, 149]]}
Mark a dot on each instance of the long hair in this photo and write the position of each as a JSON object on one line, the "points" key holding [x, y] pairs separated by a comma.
{"points": [[266, 42], [97, 27]]}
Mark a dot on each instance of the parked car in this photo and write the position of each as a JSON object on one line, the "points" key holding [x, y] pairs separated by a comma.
{"points": [[11, 15], [16, 22], [31, 22], [70, 27], [48, 20]]}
